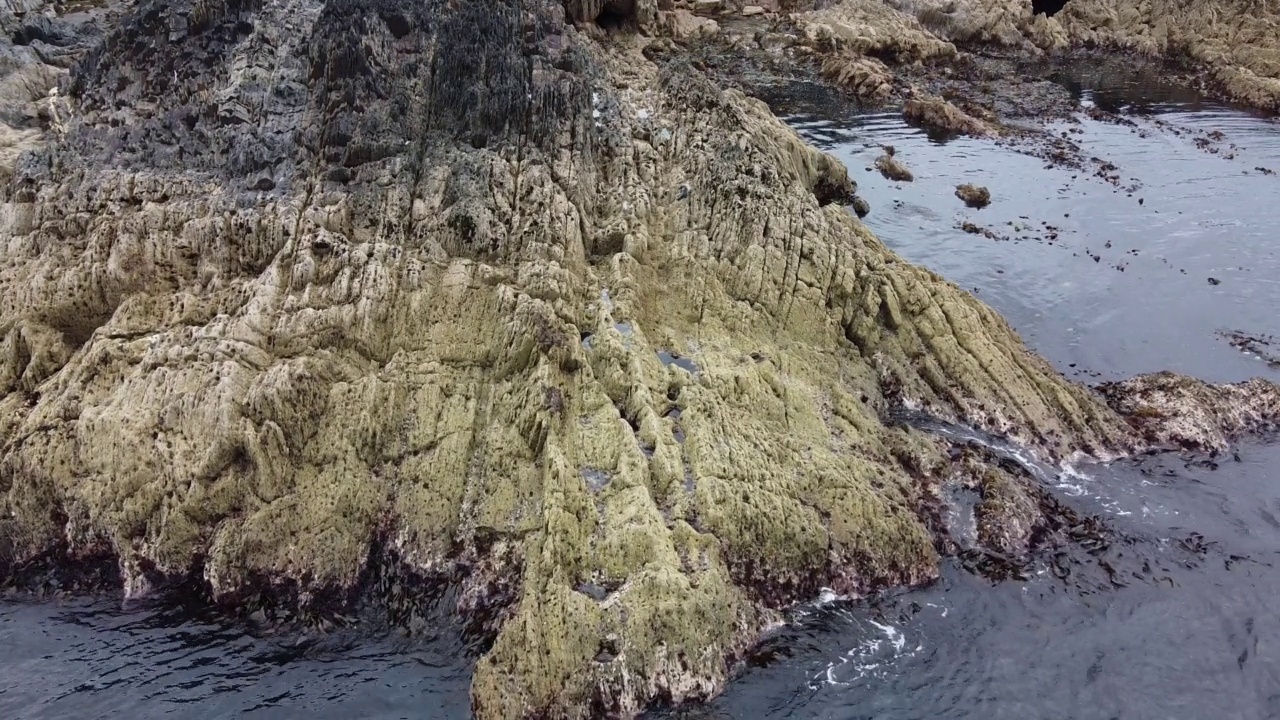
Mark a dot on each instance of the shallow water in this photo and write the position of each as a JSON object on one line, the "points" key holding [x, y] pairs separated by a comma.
{"points": [[1193, 637], [1058, 277], [1194, 641], [94, 659]]}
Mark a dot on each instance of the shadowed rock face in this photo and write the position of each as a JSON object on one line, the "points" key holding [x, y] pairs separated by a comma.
{"points": [[294, 295]]}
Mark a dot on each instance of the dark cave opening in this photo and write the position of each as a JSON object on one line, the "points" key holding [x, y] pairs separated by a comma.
{"points": [[1048, 7], [614, 18]]}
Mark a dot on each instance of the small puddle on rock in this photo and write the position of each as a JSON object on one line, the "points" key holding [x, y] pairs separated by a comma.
{"points": [[596, 479], [669, 358]]}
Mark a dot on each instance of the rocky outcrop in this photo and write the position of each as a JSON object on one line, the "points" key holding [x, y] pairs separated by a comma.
{"points": [[1237, 42], [1170, 410], [935, 112], [892, 168], [871, 28], [295, 294], [37, 49]]}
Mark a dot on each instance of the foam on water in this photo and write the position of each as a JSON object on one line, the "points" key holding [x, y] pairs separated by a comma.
{"points": [[880, 651]]}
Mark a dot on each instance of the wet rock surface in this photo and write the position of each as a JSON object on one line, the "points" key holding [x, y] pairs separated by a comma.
{"points": [[892, 168], [975, 196], [1172, 410], [296, 299]]}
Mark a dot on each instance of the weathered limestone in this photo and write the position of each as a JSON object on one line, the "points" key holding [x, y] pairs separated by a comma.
{"points": [[475, 292]]}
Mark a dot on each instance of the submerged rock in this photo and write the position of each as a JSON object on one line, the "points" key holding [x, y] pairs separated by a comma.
{"points": [[375, 364], [975, 196], [893, 169]]}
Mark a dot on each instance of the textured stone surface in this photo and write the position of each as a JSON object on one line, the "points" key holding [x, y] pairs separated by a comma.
{"points": [[935, 112], [1171, 410], [293, 291], [1235, 42], [975, 196]]}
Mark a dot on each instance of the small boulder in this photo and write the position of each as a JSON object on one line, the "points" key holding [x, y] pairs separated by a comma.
{"points": [[861, 207], [975, 196], [891, 168]]}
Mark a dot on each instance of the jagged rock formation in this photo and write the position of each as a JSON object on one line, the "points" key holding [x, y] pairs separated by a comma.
{"points": [[1236, 41], [935, 112], [293, 290]]}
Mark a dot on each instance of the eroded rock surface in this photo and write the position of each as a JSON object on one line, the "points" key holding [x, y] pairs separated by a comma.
{"points": [[478, 294], [935, 112], [1176, 411]]}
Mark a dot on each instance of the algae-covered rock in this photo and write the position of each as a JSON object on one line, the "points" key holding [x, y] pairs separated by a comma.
{"points": [[975, 196], [893, 169], [940, 114], [298, 294]]}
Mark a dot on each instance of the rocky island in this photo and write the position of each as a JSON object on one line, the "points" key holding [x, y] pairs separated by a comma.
{"points": [[305, 303]]}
